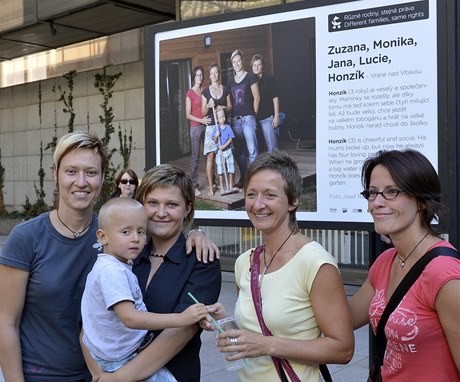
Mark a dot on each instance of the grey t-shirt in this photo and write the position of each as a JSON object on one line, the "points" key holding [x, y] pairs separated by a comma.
{"points": [[51, 320], [110, 282]]}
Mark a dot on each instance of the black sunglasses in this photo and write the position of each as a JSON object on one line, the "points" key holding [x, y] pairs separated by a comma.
{"points": [[126, 181]]}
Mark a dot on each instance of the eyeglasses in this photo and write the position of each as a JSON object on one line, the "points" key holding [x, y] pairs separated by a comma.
{"points": [[126, 181], [388, 194]]}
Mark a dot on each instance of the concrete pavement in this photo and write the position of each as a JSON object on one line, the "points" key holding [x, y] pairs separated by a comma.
{"points": [[212, 361]]}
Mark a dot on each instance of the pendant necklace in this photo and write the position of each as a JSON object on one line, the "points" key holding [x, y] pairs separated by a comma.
{"points": [[402, 262], [76, 234], [261, 277], [239, 75]]}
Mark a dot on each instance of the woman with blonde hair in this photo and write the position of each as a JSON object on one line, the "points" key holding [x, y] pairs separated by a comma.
{"points": [[245, 93], [213, 96]]}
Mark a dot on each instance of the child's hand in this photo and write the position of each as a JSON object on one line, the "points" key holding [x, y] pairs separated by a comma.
{"points": [[194, 313], [217, 134]]}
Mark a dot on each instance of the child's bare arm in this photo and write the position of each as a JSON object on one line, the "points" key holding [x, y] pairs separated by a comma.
{"points": [[135, 319]]}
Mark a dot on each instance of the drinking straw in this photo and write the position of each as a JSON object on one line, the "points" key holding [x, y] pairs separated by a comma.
{"points": [[212, 318]]}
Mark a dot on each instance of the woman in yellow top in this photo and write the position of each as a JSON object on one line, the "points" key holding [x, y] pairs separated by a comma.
{"points": [[303, 299]]}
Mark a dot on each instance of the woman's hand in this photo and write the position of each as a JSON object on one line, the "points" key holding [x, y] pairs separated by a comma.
{"points": [[246, 344], [204, 247], [217, 311], [205, 121]]}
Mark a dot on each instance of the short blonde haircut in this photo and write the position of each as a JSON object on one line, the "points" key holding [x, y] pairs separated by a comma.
{"points": [[237, 53], [79, 140]]}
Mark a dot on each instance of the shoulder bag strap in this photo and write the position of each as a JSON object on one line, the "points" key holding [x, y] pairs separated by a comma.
{"points": [[401, 290], [280, 363]]}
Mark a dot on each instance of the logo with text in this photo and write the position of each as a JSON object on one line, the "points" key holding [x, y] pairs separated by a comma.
{"points": [[335, 23]]}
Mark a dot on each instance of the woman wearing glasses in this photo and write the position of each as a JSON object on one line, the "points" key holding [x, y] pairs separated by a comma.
{"points": [[197, 121], [403, 193], [126, 184]]}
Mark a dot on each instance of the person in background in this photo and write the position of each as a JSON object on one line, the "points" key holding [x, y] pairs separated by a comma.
{"points": [[43, 269], [112, 305], [213, 96], [197, 123], [245, 93], [269, 117], [293, 280], [223, 135], [126, 184], [166, 275], [403, 192]]}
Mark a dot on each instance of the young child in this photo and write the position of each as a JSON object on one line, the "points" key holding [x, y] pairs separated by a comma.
{"points": [[115, 319], [223, 135]]}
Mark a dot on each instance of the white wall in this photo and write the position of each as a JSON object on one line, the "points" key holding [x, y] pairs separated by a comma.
{"points": [[21, 130], [20, 127]]}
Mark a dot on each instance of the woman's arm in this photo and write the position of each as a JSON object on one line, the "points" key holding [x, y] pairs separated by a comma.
{"points": [[256, 96], [204, 105], [276, 112], [331, 311], [448, 307], [360, 303], [13, 287], [93, 366], [168, 343], [228, 107]]}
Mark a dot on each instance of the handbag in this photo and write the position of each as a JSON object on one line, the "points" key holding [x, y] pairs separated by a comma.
{"points": [[395, 299], [282, 366]]}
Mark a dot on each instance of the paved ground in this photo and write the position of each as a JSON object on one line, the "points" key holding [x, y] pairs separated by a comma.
{"points": [[212, 361]]}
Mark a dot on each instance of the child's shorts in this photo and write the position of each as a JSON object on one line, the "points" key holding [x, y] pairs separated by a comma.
{"points": [[228, 155]]}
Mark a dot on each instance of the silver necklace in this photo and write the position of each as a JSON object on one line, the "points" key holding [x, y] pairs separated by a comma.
{"points": [[76, 234], [239, 75], [261, 277], [402, 262]]}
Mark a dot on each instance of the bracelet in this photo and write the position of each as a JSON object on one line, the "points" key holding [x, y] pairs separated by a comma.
{"points": [[197, 230]]}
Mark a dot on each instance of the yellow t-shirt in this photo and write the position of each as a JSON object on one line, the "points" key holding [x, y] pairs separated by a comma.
{"points": [[286, 306]]}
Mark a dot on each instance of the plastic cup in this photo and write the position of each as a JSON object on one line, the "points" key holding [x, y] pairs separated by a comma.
{"points": [[229, 323]]}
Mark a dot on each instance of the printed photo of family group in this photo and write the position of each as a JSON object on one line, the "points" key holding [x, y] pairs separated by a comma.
{"points": [[224, 97]]}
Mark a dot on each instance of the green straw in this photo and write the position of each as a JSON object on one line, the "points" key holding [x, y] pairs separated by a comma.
{"points": [[212, 318]]}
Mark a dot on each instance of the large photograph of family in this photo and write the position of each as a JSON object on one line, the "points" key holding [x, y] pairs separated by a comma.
{"points": [[225, 97]]}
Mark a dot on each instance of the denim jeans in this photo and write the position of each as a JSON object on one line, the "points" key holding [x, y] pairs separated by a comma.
{"points": [[270, 134], [246, 144], [196, 135]]}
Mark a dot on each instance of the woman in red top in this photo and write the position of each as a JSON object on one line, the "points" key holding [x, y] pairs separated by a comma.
{"points": [[403, 192], [197, 123]]}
